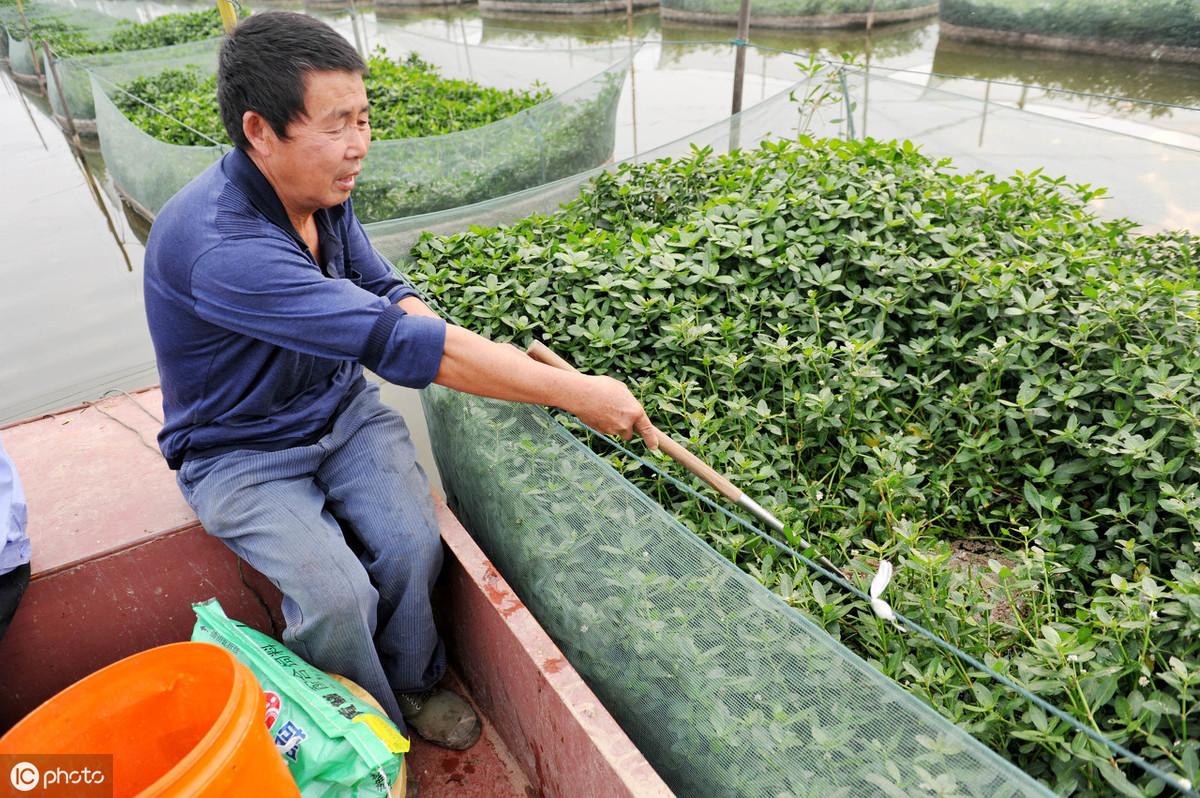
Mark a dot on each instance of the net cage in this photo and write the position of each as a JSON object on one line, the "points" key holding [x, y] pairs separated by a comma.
{"points": [[799, 13], [74, 74], [535, 30], [517, 7], [408, 4], [67, 29], [1157, 29], [725, 688], [1163, 82], [571, 132]]}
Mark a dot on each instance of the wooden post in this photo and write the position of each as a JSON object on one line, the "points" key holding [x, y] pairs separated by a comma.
{"points": [[33, 56], [229, 17], [62, 95], [739, 64]]}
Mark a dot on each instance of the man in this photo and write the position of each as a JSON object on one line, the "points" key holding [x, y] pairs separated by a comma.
{"points": [[14, 542], [265, 300]]}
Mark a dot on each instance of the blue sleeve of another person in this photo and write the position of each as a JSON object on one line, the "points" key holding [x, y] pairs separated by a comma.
{"points": [[14, 543]]}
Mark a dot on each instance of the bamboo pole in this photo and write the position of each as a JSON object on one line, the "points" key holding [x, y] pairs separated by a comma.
{"points": [[62, 96], [229, 17], [33, 56]]}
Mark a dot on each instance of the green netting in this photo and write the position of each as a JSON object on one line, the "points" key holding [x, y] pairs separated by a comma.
{"points": [[799, 13], [75, 30], [571, 132], [706, 671], [1150, 178], [1167, 29], [118, 68], [726, 689]]}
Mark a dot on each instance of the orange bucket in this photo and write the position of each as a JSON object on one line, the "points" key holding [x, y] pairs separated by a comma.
{"points": [[181, 721]]}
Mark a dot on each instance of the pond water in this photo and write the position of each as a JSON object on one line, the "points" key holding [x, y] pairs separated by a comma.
{"points": [[71, 319]]}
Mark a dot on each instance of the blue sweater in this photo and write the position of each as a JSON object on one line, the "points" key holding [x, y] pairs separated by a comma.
{"points": [[257, 348]]}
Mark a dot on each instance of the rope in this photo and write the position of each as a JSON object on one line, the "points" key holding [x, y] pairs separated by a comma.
{"points": [[1181, 785], [95, 405]]}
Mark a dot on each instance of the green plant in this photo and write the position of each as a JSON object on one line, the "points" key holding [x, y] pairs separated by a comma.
{"points": [[973, 376], [166, 30], [409, 99]]}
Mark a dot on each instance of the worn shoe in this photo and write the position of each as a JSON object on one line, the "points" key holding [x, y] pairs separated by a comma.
{"points": [[440, 717]]}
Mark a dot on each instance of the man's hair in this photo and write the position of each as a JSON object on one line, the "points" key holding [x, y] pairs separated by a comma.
{"points": [[264, 66]]}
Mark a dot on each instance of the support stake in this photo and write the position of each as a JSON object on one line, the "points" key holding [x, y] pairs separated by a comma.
{"points": [[62, 96]]}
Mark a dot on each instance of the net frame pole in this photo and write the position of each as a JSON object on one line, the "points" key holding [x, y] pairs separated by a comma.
{"points": [[62, 97], [228, 15], [37, 64], [739, 64]]}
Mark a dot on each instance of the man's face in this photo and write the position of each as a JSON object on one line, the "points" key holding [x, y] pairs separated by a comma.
{"points": [[318, 163]]}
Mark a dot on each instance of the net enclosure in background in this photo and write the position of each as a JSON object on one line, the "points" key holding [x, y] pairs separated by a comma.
{"points": [[571, 132], [502, 7], [1166, 30], [68, 30], [122, 67], [799, 13]]}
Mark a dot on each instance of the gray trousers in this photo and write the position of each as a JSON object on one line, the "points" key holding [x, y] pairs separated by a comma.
{"points": [[365, 616]]}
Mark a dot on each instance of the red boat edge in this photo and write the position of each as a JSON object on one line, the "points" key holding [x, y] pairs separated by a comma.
{"points": [[119, 558]]}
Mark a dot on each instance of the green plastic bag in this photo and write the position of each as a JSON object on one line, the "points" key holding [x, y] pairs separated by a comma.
{"points": [[333, 743]]}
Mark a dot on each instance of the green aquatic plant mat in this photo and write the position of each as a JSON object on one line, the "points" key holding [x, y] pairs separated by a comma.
{"points": [[970, 375]]}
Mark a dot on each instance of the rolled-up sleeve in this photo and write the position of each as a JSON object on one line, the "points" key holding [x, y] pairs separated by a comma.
{"points": [[405, 349], [267, 289]]}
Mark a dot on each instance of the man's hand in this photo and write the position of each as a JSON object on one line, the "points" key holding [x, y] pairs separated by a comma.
{"points": [[476, 365], [607, 405]]}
